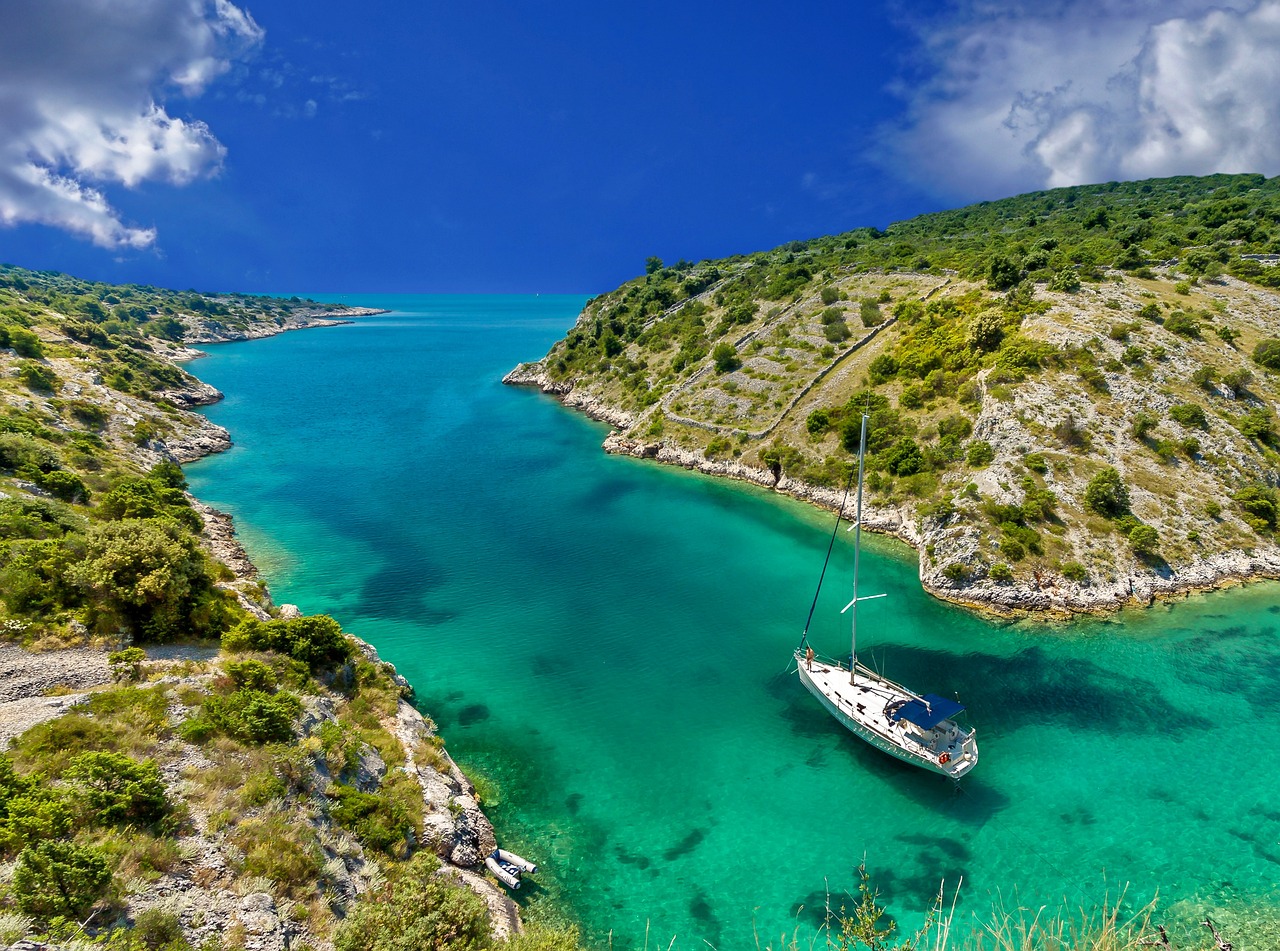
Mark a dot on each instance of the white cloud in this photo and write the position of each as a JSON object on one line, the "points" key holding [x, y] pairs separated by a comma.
{"points": [[1015, 96], [82, 88]]}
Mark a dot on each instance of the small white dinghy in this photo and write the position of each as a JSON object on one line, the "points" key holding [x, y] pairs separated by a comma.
{"points": [[507, 867]]}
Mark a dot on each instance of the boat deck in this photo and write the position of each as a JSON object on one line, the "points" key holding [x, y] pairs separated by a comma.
{"points": [[861, 706]]}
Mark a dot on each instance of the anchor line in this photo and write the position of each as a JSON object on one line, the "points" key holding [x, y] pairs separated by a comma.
{"points": [[830, 546]]}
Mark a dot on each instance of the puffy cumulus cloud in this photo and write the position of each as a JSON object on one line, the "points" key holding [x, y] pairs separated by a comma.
{"points": [[82, 85], [1006, 96]]}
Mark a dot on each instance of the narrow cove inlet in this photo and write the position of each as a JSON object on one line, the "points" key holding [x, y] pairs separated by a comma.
{"points": [[607, 644]]}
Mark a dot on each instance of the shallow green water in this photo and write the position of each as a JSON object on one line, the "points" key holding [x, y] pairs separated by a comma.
{"points": [[606, 642]]}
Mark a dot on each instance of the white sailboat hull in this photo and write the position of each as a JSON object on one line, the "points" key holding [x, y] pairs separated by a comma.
{"points": [[860, 706]]}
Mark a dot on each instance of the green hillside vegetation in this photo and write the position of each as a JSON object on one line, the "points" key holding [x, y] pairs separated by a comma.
{"points": [[100, 544], [1008, 353], [260, 748]]}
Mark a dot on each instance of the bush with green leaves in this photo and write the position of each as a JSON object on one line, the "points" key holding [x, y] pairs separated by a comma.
{"points": [[1074, 571], [60, 878], [416, 908], [1144, 540], [1107, 494], [1191, 415], [38, 377], [979, 453], [1258, 505], [148, 577], [30, 811], [1266, 353], [126, 664], [250, 716], [118, 790], [315, 639], [376, 819], [1183, 324], [252, 675]]}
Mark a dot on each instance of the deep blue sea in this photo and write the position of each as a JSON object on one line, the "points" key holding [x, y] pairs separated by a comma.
{"points": [[605, 645]]}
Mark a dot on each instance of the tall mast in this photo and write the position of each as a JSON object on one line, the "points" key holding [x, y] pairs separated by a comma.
{"points": [[857, 551]]}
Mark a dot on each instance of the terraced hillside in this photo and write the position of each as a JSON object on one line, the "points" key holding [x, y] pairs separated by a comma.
{"points": [[1071, 393]]}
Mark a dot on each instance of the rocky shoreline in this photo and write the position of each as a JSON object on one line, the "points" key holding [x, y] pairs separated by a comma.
{"points": [[1049, 597], [457, 827], [212, 331], [44, 685]]}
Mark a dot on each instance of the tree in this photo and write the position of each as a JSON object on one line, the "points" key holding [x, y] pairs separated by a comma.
{"points": [[726, 358], [59, 878], [652, 265], [1106, 494], [1144, 540], [142, 575], [1002, 273]]}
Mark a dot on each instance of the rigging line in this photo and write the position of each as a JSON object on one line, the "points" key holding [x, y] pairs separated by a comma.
{"points": [[830, 545]]}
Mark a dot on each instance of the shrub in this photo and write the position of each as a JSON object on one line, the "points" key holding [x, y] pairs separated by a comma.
{"points": [[726, 358], [59, 878], [1036, 462], [819, 422], [882, 368], [869, 311], [252, 675], [1258, 505], [37, 376], [315, 639], [1144, 540], [1267, 353], [837, 332], [142, 575], [1189, 414], [376, 819], [903, 458], [119, 790], [1106, 494], [980, 453], [1183, 324], [1256, 423], [1203, 376], [126, 665], [956, 572], [1001, 573], [830, 295], [64, 486], [24, 342], [249, 716], [1142, 425], [1066, 279], [1074, 571], [416, 909]]}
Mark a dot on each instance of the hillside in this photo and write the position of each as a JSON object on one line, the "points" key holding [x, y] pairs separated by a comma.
{"points": [[186, 764], [1072, 393]]}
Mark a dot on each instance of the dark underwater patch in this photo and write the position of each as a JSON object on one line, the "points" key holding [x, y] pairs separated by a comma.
{"points": [[473, 713], [685, 845]]}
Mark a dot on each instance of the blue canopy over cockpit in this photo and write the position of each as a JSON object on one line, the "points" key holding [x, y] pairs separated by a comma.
{"points": [[926, 712]]}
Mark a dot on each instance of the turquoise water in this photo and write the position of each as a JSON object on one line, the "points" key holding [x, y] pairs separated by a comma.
{"points": [[606, 642]]}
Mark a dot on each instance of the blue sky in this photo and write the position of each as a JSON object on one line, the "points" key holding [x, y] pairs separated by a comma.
{"points": [[491, 147]]}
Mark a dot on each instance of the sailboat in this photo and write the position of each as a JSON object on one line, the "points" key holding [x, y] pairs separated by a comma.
{"points": [[919, 730]]}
